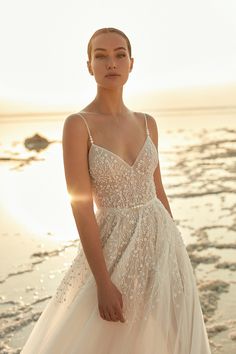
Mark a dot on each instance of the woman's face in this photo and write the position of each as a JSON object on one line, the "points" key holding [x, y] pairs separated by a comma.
{"points": [[110, 62]]}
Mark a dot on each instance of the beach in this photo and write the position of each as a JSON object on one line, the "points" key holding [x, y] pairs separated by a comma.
{"points": [[38, 234]]}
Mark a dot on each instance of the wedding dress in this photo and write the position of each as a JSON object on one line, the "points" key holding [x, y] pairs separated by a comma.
{"points": [[146, 259]]}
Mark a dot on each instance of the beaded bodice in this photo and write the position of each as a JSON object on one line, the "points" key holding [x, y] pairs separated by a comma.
{"points": [[115, 182]]}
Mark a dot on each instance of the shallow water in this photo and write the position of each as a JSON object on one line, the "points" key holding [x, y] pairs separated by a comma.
{"points": [[39, 237]]}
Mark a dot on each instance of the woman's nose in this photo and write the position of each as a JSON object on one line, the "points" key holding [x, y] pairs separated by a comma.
{"points": [[111, 64]]}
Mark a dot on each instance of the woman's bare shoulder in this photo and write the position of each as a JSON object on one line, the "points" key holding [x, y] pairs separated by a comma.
{"points": [[74, 120], [151, 122], [74, 126]]}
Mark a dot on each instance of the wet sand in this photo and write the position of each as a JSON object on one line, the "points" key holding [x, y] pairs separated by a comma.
{"points": [[39, 239]]}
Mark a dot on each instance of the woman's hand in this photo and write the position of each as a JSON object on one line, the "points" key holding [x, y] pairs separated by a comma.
{"points": [[110, 302]]}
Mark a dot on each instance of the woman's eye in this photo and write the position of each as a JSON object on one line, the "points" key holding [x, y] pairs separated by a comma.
{"points": [[99, 56], [121, 55]]}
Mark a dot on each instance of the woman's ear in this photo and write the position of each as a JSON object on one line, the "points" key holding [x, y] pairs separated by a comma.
{"points": [[89, 67], [131, 64]]}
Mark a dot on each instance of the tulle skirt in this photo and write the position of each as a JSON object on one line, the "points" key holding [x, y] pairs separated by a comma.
{"points": [[148, 262]]}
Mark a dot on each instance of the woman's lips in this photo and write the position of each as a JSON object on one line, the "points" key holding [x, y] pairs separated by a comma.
{"points": [[112, 75]]}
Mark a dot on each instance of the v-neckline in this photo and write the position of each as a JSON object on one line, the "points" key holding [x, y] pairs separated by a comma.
{"points": [[119, 157]]}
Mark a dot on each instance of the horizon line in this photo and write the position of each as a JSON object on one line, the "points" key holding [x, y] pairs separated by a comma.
{"points": [[174, 109]]}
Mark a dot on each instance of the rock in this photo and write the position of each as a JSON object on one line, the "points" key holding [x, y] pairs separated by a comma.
{"points": [[214, 285], [207, 259], [216, 328], [208, 302], [228, 265], [36, 142]]}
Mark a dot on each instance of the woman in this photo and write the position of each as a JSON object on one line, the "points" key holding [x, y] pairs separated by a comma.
{"points": [[131, 288]]}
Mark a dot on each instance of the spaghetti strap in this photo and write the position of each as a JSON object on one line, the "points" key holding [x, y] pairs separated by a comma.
{"points": [[90, 136], [146, 124]]}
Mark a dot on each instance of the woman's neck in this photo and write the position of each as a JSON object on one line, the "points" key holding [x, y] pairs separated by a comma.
{"points": [[109, 102]]}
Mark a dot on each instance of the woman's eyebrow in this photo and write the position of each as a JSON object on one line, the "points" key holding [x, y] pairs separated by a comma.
{"points": [[103, 49], [118, 48]]}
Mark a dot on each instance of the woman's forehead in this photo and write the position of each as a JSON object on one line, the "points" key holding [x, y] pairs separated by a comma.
{"points": [[109, 40]]}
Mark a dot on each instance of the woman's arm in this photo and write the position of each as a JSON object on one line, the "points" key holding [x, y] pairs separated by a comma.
{"points": [[160, 191], [74, 144]]}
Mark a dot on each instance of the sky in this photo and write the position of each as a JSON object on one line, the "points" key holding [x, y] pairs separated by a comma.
{"points": [[176, 44]]}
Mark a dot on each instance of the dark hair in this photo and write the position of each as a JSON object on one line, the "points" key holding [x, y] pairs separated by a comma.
{"points": [[108, 30]]}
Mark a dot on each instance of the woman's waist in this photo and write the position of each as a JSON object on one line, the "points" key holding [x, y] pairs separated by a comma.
{"points": [[127, 206]]}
